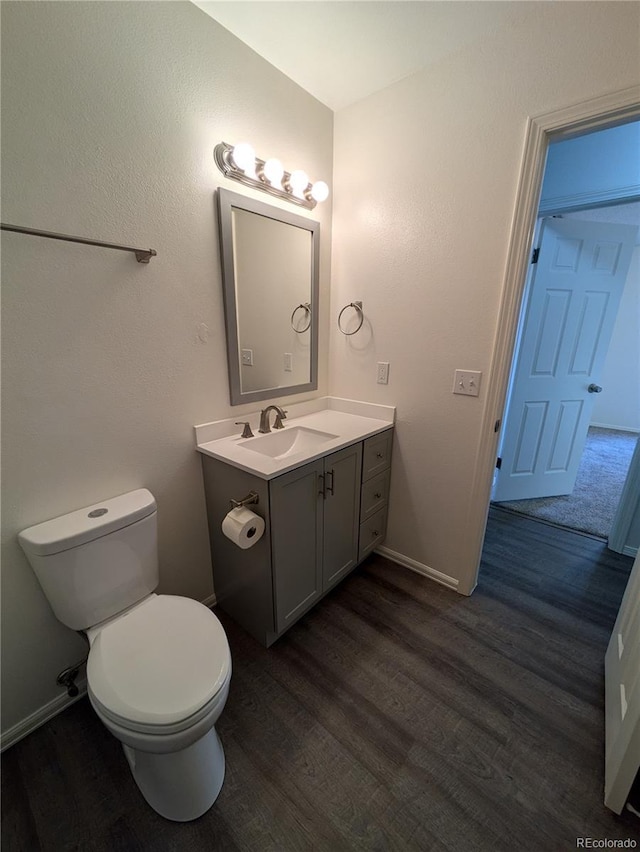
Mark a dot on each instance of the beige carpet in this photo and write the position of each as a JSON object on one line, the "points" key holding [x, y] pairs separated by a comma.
{"points": [[601, 475]]}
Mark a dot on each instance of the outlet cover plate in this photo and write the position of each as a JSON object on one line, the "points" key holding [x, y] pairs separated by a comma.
{"points": [[467, 382], [383, 373]]}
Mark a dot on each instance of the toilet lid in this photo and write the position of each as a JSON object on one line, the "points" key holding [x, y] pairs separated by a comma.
{"points": [[160, 662]]}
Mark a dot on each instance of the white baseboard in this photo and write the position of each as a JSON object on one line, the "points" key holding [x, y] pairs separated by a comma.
{"points": [[419, 568], [40, 716], [20, 730], [617, 428]]}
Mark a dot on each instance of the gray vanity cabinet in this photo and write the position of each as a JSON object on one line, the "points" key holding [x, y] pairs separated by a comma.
{"points": [[321, 520], [314, 530]]}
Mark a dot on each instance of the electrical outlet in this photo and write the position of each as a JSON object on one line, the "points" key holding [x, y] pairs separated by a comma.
{"points": [[247, 357], [467, 382], [383, 373], [288, 362]]}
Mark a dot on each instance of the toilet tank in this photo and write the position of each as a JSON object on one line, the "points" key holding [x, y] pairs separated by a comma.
{"points": [[97, 561]]}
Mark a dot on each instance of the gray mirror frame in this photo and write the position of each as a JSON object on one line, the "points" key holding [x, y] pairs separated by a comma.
{"points": [[227, 202]]}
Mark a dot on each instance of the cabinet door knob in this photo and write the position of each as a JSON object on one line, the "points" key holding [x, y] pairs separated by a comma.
{"points": [[377, 495], [380, 455], [374, 533]]}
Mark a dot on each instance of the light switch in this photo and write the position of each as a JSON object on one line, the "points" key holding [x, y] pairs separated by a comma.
{"points": [[467, 382], [288, 362], [247, 357]]}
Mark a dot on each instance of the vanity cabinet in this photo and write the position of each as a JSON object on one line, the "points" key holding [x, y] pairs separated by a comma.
{"points": [[321, 520]]}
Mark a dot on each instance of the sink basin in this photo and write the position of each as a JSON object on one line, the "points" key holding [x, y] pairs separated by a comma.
{"points": [[288, 442]]}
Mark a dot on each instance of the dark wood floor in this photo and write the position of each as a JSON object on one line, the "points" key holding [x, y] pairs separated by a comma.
{"points": [[396, 716]]}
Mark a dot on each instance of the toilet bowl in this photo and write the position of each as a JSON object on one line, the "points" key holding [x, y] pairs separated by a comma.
{"points": [[163, 703], [159, 666]]}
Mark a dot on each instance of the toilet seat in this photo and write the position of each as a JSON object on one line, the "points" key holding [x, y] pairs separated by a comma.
{"points": [[160, 666]]}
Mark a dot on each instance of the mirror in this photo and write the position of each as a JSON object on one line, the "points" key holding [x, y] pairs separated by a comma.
{"points": [[270, 284]]}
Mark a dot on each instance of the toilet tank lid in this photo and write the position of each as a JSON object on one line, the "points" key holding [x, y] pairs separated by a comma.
{"points": [[85, 525]]}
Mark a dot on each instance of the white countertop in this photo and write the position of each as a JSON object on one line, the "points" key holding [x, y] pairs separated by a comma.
{"points": [[349, 420]]}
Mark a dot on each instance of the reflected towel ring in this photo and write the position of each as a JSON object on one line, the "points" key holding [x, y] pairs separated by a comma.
{"points": [[358, 307], [305, 307]]}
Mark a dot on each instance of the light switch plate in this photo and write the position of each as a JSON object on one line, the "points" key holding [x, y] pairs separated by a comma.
{"points": [[467, 382], [247, 357]]}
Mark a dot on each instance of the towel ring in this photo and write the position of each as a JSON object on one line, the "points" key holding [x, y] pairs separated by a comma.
{"points": [[305, 307], [358, 307]]}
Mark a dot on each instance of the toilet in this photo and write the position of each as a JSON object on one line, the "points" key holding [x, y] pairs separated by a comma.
{"points": [[159, 666]]}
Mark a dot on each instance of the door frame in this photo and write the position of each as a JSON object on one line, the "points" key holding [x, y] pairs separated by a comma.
{"points": [[594, 114]]}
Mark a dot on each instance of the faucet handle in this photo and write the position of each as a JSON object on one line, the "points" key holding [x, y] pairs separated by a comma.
{"points": [[246, 432], [280, 416]]}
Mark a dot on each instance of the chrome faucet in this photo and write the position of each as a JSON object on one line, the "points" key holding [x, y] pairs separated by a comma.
{"points": [[264, 418]]}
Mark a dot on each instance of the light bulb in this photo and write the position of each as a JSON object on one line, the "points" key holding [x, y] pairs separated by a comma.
{"points": [[273, 171], [298, 182], [244, 157], [320, 191]]}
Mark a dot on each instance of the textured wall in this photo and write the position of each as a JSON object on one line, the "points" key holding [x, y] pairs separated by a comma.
{"points": [[110, 112], [426, 174]]}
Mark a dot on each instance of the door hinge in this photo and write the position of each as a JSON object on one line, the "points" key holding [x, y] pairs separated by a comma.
{"points": [[499, 462], [535, 255]]}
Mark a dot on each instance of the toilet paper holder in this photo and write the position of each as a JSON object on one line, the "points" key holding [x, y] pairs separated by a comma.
{"points": [[251, 498]]}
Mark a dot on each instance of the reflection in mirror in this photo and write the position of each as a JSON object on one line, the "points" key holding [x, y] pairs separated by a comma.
{"points": [[270, 279]]}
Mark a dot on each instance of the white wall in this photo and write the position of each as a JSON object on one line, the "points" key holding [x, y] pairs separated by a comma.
{"points": [[618, 406], [601, 167], [110, 113], [425, 184]]}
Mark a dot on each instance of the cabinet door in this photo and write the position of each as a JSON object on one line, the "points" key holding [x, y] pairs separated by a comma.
{"points": [[342, 471], [296, 541]]}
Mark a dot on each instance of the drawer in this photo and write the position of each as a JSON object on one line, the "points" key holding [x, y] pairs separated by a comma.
{"points": [[377, 454], [372, 532], [375, 494]]}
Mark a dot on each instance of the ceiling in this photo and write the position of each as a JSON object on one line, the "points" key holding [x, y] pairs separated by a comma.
{"points": [[341, 51]]}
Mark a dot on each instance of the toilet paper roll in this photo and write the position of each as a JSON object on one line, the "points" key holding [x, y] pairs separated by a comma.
{"points": [[243, 527]]}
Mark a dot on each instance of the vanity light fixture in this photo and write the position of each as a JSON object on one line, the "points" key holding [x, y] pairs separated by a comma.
{"points": [[240, 163]]}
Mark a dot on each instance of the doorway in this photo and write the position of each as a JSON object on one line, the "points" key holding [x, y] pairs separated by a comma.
{"points": [[579, 119]]}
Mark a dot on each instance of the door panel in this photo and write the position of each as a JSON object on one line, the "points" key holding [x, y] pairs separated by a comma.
{"points": [[341, 513], [296, 541], [573, 300]]}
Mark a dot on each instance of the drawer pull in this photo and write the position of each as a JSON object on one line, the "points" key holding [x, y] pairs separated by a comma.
{"points": [[374, 534], [379, 455], [377, 495]]}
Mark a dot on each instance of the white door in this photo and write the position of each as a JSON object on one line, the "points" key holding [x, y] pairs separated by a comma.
{"points": [[622, 698], [572, 305]]}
